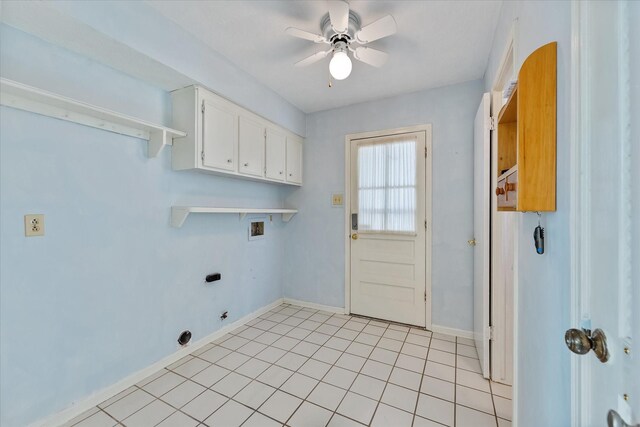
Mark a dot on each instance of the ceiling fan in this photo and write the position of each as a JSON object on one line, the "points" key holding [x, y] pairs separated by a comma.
{"points": [[341, 29]]}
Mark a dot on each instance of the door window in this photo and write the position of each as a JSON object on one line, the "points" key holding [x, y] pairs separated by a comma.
{"points": [[387, 186]]}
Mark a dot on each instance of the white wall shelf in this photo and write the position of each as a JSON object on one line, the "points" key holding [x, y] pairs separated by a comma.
{"points": [[17, 95], [180, 213]]}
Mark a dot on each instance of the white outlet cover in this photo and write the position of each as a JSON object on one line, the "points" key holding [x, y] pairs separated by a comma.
{"points": [[337, 200], [34, 225]]}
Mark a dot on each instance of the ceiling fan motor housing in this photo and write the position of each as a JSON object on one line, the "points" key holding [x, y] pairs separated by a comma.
{"points": [[335, 38]]}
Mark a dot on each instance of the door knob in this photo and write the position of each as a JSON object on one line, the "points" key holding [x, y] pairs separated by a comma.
{"points": [[471, 242], [499, 191], [580, 341], [510, 186], [354, 236], [615, 420]]}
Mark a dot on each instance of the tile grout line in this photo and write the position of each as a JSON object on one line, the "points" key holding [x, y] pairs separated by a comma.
{"points": [[231, 351], [333, 365], [334, 412], [308, 358], [344, 320], [455, 386], [387, 381], [415, 409]]}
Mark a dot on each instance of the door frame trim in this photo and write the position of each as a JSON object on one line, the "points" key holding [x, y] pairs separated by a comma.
{"points": [[578, 152], [509, 55], [427, 129]]}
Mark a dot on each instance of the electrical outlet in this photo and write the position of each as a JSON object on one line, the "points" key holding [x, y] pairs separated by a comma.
{"points": [[337, 199], [34, 225]]}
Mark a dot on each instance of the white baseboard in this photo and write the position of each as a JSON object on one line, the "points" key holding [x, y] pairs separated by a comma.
{"points": [[452, 331], [315, 306], [89, 402]]}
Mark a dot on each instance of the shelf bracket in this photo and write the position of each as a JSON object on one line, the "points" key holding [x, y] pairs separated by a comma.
{"points": [[178, 216], [157, 140], [287, 216]]}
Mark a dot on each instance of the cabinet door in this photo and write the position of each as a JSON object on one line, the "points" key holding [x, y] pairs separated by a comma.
{"points": [[275, 155], [294, 160], [251, 147], [219, 136]]}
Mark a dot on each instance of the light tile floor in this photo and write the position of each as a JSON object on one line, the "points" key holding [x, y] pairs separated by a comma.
{"points": [[302, 367]]}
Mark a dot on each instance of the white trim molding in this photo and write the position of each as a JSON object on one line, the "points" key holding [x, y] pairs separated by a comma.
{"points": [[579, 237], [89, 402], [327, 308], [452, 331]]}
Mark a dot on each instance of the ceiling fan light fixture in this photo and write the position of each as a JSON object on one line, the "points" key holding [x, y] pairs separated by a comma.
{"points": [[340, 65]]}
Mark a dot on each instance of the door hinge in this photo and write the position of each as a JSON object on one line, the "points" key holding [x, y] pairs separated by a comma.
{"points": [[202, 108], [426, 152], [202, 156], [265, 133], [490, 333], [425, 296], [492, 123], [426, 227]]}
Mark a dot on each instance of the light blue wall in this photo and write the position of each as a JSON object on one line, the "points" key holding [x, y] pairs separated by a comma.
{"points": [[108, 288], [141, 27], [543, 281], [315, 253]]}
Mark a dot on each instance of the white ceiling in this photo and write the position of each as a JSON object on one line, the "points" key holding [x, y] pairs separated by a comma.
{"points": [[438, 43]]}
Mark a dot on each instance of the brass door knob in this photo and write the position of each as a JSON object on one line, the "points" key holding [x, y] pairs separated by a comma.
{"points": [[471, 242], [499, 191], [354, 236], [510, 186], [581, 341]]}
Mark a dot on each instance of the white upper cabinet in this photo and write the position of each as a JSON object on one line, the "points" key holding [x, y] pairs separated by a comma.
{"points": [[294, 160], [275, 152], [225, 139], [251, 147], [219, 133]]}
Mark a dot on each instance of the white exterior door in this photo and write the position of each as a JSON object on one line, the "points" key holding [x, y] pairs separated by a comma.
{"points": [[606, 211], [481, 221], [388, 236]]}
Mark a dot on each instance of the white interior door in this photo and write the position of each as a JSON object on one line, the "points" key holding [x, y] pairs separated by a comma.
{"points": [[481, 226], [606, 277], [388, 236]]}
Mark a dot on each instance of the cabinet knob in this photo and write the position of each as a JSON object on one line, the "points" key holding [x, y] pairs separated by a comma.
{"points": [[246, 164], [229, 160], [290, 175], [280, 172], [510, 186], [499, 191]]}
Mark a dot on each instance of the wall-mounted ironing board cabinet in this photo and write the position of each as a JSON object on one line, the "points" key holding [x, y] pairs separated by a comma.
{"points": [[527, 137]]}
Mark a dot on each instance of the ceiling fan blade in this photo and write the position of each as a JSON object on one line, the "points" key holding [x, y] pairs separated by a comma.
{"points": [[339, 15], [383, 27], [370, 56], [301, 34], [313, 58]]}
